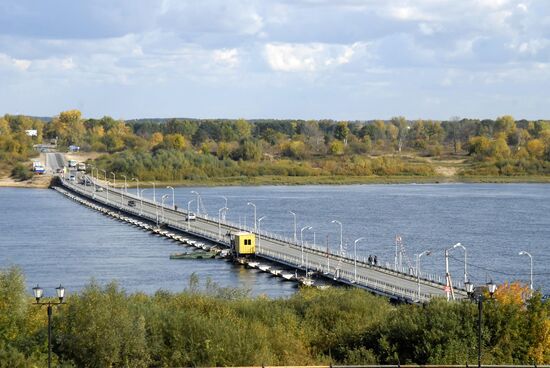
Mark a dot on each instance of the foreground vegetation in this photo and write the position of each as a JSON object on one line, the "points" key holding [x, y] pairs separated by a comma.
{"points": [[106, 327]]}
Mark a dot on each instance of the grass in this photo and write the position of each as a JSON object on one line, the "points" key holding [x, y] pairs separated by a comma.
{"points": [[347, 180]]}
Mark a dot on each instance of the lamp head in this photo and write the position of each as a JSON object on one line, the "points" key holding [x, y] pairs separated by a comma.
{"points": [[37, 292], [469, 287], [457, 245], [60, 291], [492, 287]]}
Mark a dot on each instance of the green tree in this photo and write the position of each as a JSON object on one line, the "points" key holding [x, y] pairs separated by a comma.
{"points": [[341, 132]]}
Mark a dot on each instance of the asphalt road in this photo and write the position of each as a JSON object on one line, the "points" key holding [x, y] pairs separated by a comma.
{"points": [[54, 161]]}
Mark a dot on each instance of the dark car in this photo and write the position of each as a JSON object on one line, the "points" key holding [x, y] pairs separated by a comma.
{"points": [[132, 203]]}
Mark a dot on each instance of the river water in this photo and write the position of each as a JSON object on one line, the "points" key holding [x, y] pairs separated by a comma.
{"points": [[55, 240]]}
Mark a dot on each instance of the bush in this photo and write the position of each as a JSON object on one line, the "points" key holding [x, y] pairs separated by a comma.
{"points": [[21, 172]]}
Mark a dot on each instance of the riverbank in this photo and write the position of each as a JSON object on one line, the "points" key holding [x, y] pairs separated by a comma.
{"points": [[37, 182], [345, 180], [43, 181]]}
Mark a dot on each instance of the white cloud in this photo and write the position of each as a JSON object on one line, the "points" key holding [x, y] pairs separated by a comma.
{"points": [[18, 64], [308, 57], [228, 57]]}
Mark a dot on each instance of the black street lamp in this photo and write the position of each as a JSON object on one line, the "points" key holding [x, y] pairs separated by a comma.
{"points": [[38, 292], [476, 294]]}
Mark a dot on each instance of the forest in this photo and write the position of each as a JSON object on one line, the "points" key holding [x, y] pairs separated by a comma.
{"points": [[207, 325], [193, 150]]}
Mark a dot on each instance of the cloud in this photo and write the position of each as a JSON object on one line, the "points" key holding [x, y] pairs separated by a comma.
{"points": [[363, 48], [308, 57]]}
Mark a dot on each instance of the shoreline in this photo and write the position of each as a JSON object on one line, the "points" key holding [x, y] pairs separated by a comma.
{"points": [[44, 181]]}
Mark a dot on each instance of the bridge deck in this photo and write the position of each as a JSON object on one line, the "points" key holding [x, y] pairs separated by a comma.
{"points": [[343, 270]]}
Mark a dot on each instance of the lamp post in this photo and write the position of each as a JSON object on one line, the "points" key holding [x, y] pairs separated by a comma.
{"points": [[123, 190], [294, 215], [220, 211], [477, 295], [106, 183], [355, 258], [173, 197], [458, 245], [225, 206], [188, 213], [38, 292], [162, 205], [418, 257], [302, 240], [260, 232], [155, 201], [141, 201], [198, 200], [341, 235], [524, 253], [92, 173], [449, 284], [253, 205], [154, 192], [114, 179], [137, 186]]}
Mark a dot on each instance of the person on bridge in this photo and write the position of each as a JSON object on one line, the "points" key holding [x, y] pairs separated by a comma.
{"points": [[375, 261], [370, 259]]}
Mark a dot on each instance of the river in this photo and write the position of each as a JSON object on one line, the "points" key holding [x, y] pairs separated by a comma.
{"points": [[55, 240]]}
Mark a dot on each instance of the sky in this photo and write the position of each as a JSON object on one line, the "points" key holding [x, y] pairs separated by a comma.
{"points": [[301, 59]]}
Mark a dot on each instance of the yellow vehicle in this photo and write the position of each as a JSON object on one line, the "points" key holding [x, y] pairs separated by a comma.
{"points": [[243, 243]]}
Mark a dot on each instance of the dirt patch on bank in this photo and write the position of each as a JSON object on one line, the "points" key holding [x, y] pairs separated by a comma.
{"points": [[37, 181]]}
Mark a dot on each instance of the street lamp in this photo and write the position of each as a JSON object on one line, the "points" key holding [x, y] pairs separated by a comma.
{"points": [[162, 205], [355, 258], [38, 292], [141, 201], [198, 200], [524, 253], [418, 257], [106, 184], [173, 197], [449, 284], [155, 200], [302, 240], [114, 179], [123, 190], [188, 213], [341, 236], [225, 206], [220, 211], [458, 245], [260, 232], [137, 188], [293, 214], [477, 295], [253, 205]]}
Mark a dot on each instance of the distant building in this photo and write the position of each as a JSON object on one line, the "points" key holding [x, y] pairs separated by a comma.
{"points": [[32, 132]]}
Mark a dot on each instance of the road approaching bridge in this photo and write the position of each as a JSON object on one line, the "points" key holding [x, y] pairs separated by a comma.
{"points": [[345, 270]]}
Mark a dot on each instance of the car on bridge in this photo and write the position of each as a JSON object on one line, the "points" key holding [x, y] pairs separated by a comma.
{"points": [[191, 217], [99, 189], [132, 203]]}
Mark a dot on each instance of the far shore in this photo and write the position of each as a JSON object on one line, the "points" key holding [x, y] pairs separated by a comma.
{"points": [[44, 181]]}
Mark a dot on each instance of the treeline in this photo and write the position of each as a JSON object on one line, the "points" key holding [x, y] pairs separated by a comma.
{"points": [[213, 326], [228, 148], [16, 145], [181, 149]]}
